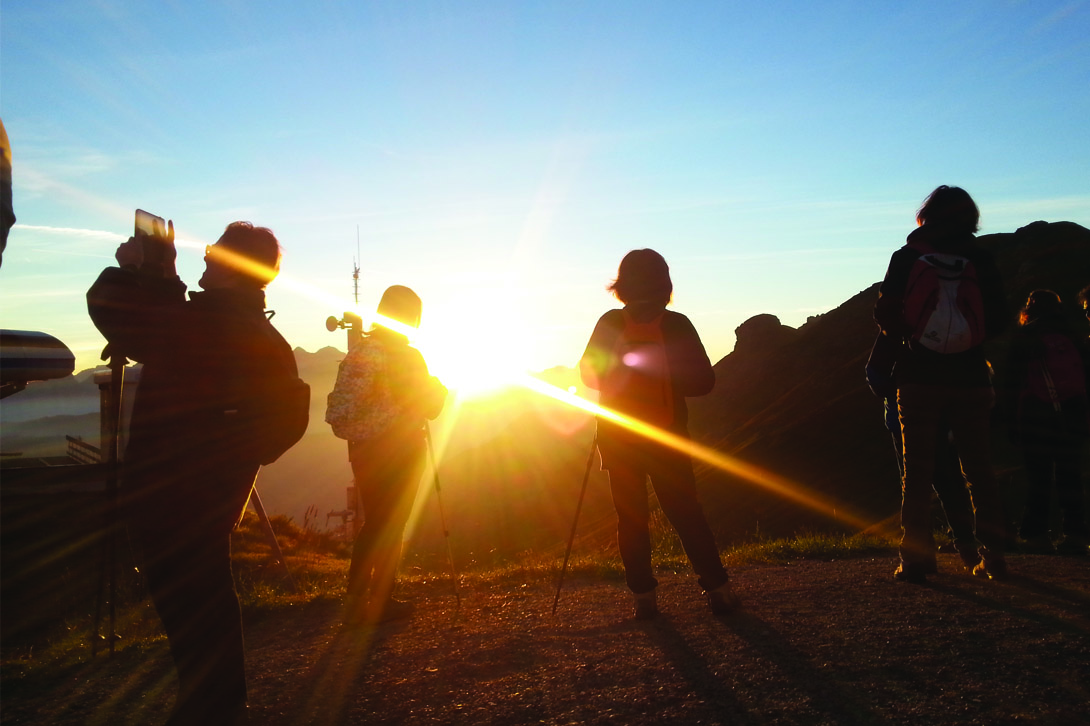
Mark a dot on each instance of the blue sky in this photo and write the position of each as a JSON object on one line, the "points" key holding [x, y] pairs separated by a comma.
{"points": [[501, 157]]}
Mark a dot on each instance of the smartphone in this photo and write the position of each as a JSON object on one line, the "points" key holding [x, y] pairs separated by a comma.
{"points": [[153, 231], [149, 225]]}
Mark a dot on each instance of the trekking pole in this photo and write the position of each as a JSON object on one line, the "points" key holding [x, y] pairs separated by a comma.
{"points": [[575, 522], [442, 516], [108, 551]]}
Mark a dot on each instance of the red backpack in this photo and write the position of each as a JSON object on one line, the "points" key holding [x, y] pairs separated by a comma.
{"points": [[638, 382], [943, 306]]}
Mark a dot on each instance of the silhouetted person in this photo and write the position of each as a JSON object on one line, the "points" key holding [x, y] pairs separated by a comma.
{"points": [[7, 211], [949, 481], [192, 455], [644, 360], [388, 464], [1046, 407], [943, 295]]}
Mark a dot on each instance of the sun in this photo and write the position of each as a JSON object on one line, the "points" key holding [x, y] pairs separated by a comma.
{"points": [[483, 358]]}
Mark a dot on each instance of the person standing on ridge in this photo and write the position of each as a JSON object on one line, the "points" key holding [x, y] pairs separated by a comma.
{"points": [[217, 389], [396, 398], [949, 484], [1045, 403], [645, 360], [943, 296]]}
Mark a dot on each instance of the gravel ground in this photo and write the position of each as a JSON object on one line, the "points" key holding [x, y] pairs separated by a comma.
{"points": [[817, 643]]}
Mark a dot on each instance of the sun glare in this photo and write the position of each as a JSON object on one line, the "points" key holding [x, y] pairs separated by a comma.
{"points": [[473, 363], [476, 346]]}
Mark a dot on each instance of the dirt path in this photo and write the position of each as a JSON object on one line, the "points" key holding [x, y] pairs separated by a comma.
{"points": [[818, 643]]}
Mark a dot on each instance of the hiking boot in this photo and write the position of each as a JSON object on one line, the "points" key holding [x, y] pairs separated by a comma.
{"points": [[723, 600], [914, 572], [992, 566], [646, 605], [1074, 545], [1039, 545]]}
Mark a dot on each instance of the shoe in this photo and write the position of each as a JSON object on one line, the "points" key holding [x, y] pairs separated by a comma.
{"points": [[1074, 545], [1039, 545], [930, 567], [723, 600], [994, 567], [914, 572], [646, 605]]}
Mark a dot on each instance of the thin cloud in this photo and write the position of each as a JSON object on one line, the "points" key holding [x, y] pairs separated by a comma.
{"points": [[96, 234]]}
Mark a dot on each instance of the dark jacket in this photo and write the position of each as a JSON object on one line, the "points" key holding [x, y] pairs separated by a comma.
{"points": [[917, 364], [209, 363], [1029, 417], [691, 372]]}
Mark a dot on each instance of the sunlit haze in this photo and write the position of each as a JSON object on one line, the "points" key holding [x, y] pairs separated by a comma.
{"points": [[500, 159]]}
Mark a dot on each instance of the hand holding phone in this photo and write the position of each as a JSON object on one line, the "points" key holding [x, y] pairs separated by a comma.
{"points": [[157, 240]]}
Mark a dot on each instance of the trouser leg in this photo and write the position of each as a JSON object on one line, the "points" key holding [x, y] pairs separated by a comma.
{"points": [[675, 485], [920, 409], [387, 486], [970, 421], [1069, 491], [188, 572], [954, 497], [628, 486], [1039, 466]]}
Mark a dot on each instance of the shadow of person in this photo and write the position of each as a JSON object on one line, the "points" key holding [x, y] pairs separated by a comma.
{"points": [[718, 703], [825, 694]]}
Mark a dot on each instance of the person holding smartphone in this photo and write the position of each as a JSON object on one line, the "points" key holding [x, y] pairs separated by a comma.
{"points": [[194, 446]]}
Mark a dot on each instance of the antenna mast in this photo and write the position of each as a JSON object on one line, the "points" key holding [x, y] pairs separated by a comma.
{"points": [[356, 269]]}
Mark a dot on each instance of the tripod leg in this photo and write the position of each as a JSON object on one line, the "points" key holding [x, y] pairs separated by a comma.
{"points": [[274, 546], [575, 522], [442, 516]]}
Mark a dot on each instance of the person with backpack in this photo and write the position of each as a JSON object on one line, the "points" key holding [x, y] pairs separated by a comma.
{"points": [[381, 403], [645, 360], [1046, 409], [949, 484], [218, 397], [943, 296]]}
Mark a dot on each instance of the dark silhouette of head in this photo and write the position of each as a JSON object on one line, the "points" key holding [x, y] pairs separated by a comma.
{"points": [[949, 209], [243, 256], [1041, 305], [1084, 301], [643, 276], [401, 304]]}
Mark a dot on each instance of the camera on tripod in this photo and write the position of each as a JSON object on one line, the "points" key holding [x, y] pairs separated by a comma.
{"points": [[351, 322]]}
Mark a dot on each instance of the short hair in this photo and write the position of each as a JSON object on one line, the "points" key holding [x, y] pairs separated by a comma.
{"points": [[401, 304], [949, 208], [1041, 304], [1084, 296], [257, 245], [643, 276]]}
